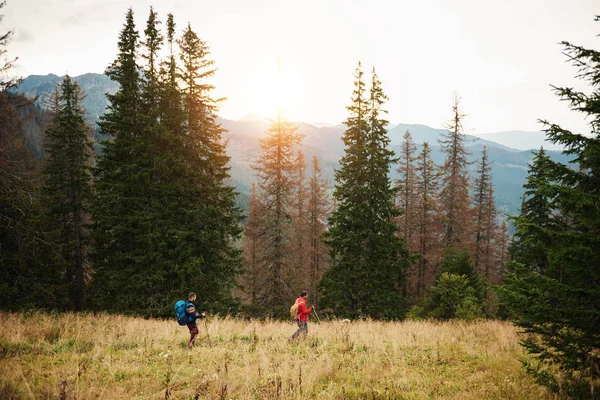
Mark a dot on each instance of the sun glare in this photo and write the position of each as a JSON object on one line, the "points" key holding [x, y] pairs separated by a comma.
{"points": [[277, 94]]}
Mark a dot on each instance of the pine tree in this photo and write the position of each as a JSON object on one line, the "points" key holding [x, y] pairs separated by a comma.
{"points": [[122, 182], [406, 200], [276, 168], [428, 225], [503, 253], [253, 252], [28, 273], [407, 191], [67, 186], [150, 84], [318, 210], [454, 196], [485, 225], [370, 260], [556, 299], [299, 227], [457, 261], [537, 219], [217, 261], [484, 219]]}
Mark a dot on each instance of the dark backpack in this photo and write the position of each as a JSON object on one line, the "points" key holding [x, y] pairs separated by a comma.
{"points": [[180, 313]]}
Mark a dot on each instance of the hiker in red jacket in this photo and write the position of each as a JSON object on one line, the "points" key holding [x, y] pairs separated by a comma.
{"points": [[302, 319]]}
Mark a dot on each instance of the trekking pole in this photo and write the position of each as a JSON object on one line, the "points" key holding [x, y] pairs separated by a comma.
{"points": [[315, 311], [206, 326]]}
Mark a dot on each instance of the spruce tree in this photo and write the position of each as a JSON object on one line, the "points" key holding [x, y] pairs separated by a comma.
{"points": [[454, 195], [253, 253], [299, 227], [121, 185], [429, 227], [67, 187], [407, 205], [485, 217], [28, 271], [370, 260], [216, 260], [276, 169], [537, 219], [556, 298], [484, 221], [317, 214], [407, 190]]}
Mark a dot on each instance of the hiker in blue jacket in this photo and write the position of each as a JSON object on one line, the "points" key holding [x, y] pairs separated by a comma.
{"points": [[193, 315]]}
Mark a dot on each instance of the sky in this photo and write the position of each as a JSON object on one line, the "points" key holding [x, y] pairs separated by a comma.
{"points": [[500, 57]]}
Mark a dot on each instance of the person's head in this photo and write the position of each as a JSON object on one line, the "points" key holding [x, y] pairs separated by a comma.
{"points": [[304, 294], [192, 296]]}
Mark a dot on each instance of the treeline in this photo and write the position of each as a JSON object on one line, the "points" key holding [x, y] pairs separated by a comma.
{"points": [[149, 219], [377, 247]]}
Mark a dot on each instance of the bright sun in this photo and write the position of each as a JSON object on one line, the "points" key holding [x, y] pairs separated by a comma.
{"points": [[278, 92]]}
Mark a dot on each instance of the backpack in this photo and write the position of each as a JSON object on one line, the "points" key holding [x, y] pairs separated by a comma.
{"points": [[180, 313], [294, 311]]}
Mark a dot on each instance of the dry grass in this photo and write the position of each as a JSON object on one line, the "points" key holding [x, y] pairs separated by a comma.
{"points": [[73, 356]]}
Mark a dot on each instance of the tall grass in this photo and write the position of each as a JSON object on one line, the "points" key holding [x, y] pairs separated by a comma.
{"points": [[73, 356]]}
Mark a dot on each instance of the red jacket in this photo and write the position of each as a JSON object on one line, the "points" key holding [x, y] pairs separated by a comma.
{"points": [[302, 311]]}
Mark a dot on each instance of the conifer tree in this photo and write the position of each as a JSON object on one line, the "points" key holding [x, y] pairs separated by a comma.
{"points": [[454, 196], [537, 219], [406, 201], [121, 183], [317, 214], [276, 169], [67, 187], [165, 219], [484, 246], [217, 260], [253, 251], [556, 299], [150, 84], [484, 219], [27, 260], [370, 260], [428, 225], [503, 254], [171, 106], [299, 232], [407, 191], [457, 261]]}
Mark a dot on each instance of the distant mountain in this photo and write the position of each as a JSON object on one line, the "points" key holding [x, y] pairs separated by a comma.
{"points": [[95, 87], [509, 166], [522, 140], [321, 124], [507, 150], [254, 117]]}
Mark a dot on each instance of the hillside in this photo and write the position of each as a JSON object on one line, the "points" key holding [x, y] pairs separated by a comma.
{"points": [[509, 165]]}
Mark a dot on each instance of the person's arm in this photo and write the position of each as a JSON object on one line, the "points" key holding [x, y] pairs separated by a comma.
{"points": [[190, 310], [302, 309]]}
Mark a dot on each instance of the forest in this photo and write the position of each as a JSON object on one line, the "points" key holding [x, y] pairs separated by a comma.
{"points": [[133, 226]]}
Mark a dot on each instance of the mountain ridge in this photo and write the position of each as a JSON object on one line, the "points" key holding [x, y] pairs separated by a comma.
{"points": [[509, 165]]}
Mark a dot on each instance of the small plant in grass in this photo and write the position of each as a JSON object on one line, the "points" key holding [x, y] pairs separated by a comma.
{"points": [[168, 373]]}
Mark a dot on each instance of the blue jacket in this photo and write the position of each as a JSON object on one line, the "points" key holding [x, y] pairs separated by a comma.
{"points": [[191, 312]]}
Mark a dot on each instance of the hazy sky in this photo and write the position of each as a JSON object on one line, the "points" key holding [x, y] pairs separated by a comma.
{"points": [[499, 56]]}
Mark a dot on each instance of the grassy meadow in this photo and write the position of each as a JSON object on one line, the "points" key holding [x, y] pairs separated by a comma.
{"points": [[72, 356]]}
